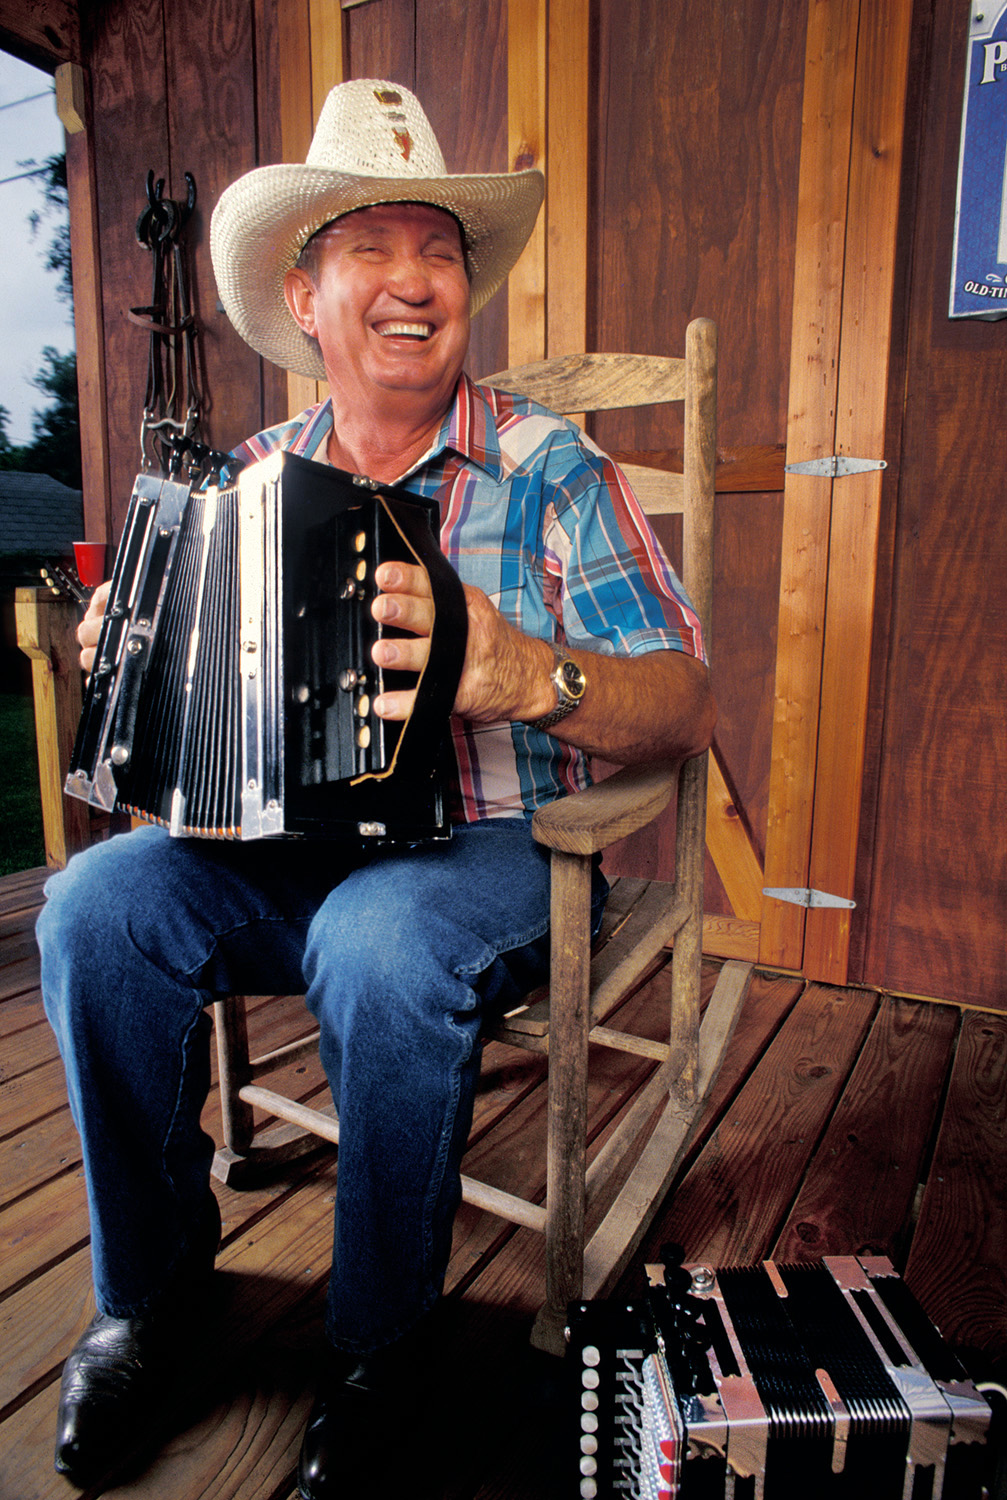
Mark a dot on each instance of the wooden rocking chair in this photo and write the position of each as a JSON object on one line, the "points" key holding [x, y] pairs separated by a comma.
{"points": [[584, 988]]}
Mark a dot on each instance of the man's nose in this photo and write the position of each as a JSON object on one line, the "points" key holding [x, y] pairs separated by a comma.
{"points": [[409, 279]]}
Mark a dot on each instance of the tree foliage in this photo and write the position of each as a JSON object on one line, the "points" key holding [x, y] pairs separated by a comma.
{"points": [[51, 176], [54, 448]]}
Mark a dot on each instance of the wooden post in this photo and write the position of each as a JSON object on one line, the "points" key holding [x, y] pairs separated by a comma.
{"points": [[74, 105], [313, 54], [46, 632], [566, 200]]}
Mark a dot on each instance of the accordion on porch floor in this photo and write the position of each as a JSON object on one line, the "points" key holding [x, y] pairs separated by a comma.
{"points": [[772, 1382]]}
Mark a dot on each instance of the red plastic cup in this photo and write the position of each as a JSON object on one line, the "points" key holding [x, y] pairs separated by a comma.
{"points": [[90, 560]]}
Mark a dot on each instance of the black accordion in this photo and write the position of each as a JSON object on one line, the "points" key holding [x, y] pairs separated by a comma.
{"points": [[771, 1382], [233, 686]]}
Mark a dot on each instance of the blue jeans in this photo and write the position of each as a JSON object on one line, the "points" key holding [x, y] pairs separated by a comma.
{"points": [[399, 953]]}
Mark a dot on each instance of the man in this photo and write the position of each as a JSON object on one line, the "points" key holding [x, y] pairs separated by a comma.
{"points": [[363, 267]]}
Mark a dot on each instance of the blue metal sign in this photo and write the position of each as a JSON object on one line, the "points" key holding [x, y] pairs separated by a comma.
{"points": [[979, 267]]}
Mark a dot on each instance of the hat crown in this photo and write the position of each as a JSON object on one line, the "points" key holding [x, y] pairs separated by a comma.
{"points": [[370, 128]]}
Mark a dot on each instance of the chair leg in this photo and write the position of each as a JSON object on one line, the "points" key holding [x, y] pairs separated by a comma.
{"points": [[567, 1126], [231, 1026], [687, 954], [244, 1159]]}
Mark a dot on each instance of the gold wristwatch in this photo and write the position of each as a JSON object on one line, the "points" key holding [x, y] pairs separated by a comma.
{"points": [[570, 684]]}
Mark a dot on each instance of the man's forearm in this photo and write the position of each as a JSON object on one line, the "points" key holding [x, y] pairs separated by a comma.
{"points": [[658, 706]]}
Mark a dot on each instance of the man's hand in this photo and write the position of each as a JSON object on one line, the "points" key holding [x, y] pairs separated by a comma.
{"points": [[656, 706], [89, 628], [503, 673]]}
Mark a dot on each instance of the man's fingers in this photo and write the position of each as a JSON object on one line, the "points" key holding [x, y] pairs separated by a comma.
{"points": [[404, 612], [394, 706], [89, 629], [402, 653], [405, 601]]}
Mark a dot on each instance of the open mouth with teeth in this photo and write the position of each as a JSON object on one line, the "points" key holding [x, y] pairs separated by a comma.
{"points": [[418, 331]]}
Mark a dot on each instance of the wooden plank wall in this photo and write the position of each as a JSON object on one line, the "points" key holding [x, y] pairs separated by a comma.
{"points": [[694, 149], [697, 130], [933, 867], [173, 90]]}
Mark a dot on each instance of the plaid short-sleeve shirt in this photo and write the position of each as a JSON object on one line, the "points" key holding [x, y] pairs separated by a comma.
{"points": [[533, 513]]}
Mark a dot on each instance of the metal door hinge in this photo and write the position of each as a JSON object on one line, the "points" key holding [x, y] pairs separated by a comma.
{"points": [[835, 466], [803, 896]]}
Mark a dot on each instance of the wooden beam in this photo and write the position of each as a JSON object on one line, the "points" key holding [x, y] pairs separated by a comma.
{"points": [[74, 100], [328, 50], [730, 937], [865, 343], [43, 32], [526, 147], [296, 124], [567, 187], [731, 848]]}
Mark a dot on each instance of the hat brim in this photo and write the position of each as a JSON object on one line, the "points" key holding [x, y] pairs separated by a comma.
{"points": [[262, 222]]}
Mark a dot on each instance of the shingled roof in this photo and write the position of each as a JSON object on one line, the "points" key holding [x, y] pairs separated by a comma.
{"points": [[38, 516]]}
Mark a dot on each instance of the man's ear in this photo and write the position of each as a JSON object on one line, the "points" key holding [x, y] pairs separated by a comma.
{"points": [[299, 291]]}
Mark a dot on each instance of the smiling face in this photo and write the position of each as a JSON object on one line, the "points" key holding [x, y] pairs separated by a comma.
{"points": [[385, 292]]}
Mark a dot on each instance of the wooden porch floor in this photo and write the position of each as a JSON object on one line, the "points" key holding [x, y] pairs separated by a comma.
{"points": [[842, 1121]]}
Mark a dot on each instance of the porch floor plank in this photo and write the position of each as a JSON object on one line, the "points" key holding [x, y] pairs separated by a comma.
{"points": [[872, 1157], [841, 1121], [957, 1264]]}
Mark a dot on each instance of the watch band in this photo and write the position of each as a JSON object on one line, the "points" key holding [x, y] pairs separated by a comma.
{"points": [[570, 684]]}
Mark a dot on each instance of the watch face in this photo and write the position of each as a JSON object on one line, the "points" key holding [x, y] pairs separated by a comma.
{"points": [[573, 679]]}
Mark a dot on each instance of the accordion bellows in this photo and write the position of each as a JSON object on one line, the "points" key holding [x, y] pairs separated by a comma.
{"points": [[807, 1382], [233, 686]]}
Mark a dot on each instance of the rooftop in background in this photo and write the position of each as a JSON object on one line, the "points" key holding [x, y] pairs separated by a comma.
{"points": [[39, 517]]}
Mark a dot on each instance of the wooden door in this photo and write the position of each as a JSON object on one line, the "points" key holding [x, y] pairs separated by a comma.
{"points": [[838, 281]]}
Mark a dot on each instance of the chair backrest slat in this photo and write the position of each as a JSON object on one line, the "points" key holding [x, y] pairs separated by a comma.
{"points": [[660, 492], [576, 383], [596, 382]]}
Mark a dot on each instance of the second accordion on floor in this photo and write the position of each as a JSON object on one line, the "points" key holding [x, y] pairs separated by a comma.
{"points": [[823, 1381], [233, 686]]}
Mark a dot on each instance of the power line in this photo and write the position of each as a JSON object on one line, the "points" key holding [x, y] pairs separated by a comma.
{"points": [[19, 176], [30, 99]]}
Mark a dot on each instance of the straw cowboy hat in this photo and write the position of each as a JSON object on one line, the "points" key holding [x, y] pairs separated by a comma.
{"points": [[372, 144]]}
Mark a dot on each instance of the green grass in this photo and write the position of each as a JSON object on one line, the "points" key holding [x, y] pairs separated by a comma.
{"points": [[21, 843]]}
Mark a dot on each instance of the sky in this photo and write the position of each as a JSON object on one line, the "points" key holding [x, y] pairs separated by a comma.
{"points": [[31, 314]]}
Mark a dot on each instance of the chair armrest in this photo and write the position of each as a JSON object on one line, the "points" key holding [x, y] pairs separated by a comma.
{"points": [[592, 819]]}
